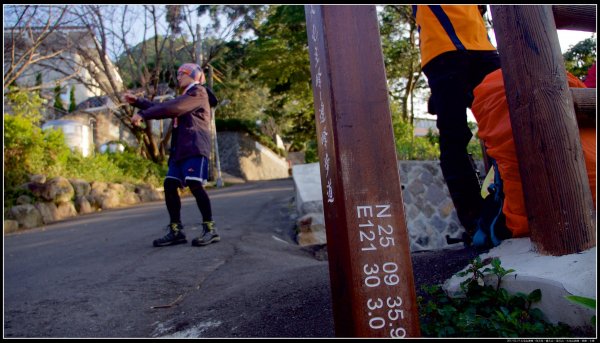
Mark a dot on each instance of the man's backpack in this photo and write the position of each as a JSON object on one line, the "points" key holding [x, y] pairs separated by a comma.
{"points": [[491, 227]]}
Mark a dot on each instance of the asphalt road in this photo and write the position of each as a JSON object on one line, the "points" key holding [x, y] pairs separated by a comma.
{"points": [[98, 275]]}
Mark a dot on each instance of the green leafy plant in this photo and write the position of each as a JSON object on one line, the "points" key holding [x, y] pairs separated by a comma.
{"points": [[485, 310], [585, 302]]}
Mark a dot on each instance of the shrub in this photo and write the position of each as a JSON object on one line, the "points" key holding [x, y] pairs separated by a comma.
{"points": [[29, 150], [409, 147], [312, 153], [485, 311]]}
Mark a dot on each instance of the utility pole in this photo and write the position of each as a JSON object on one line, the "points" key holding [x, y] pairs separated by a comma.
{"points": [[219, 182], [370, 267], [209, 80], [198, 46]]}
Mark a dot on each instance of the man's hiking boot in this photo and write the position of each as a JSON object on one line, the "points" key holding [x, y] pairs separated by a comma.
{"points": [[174, 236], [209, 235]]}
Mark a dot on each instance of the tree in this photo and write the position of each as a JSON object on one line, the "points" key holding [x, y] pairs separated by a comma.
{"points": [[24, 104], [27, 29], [164, 53], [58, 104], [401, 56], [227, 47], [247, 96], [580, 57], [109, 29], [72, 102], [280, 60]]}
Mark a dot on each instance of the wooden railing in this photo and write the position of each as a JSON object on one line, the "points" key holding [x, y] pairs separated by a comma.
{"points": [[558, 201]]}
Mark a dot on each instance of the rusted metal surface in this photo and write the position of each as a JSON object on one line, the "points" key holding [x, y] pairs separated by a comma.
{"points": [[368, 244], [558, 199]]}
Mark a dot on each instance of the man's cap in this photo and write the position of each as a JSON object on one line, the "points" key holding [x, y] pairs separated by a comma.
{"points": [[193, 70]]}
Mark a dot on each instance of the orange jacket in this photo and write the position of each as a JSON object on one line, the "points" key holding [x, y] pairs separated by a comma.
{"points": [[450, 27], [491, 111]]}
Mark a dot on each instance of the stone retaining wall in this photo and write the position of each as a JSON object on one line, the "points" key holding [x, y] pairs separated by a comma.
{"points": [[430, 213], [60, 198], [243, 157]]}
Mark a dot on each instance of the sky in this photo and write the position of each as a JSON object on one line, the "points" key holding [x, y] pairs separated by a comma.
{"points": [[568, 38]]}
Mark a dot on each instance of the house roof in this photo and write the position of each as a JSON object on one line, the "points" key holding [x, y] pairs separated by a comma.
{"points": [[95, 101]]}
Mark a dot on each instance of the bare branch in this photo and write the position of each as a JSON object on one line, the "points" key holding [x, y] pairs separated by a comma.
{"points": [[24, 43]]}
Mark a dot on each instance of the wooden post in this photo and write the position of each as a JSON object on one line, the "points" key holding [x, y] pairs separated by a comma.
{"points": [[367, 241], [584, 100], [575, 17], [558, 200]]}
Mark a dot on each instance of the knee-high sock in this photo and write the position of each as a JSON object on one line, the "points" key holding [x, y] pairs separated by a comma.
{"points": [[202, 199], [172, 199]]}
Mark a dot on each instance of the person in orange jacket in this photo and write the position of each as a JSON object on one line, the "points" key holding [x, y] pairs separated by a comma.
{"points": [[490, 109], [590, 79], [456, 55]]}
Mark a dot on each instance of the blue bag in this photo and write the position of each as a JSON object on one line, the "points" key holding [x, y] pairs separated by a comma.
{"points": [[491, 227]]}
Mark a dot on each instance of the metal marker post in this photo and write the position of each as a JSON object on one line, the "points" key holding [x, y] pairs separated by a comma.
{"points": [[370, 267]]}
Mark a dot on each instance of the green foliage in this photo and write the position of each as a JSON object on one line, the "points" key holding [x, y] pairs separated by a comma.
{"points": [[409, 147], [401, 56], [585, 302], [311, 153], [115, 167], [28, 150], [580, 57], [25, 104], [485, 311], [58, 104], [237, 125], [474, 146], [247, 99], [279, 59]]}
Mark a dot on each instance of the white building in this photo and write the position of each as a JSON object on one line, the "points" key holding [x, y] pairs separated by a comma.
{"points": [[423, 125], [74, 64]]}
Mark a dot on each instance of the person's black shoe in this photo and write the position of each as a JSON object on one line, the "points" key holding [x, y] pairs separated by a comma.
{"points": [[174, 236], [209, 235]]}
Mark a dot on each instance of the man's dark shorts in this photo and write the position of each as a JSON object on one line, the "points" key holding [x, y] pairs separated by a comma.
{"points": [[193, 168]]}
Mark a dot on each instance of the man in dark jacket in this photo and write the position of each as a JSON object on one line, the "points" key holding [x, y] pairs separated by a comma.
{"points": [[190, 151]]}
